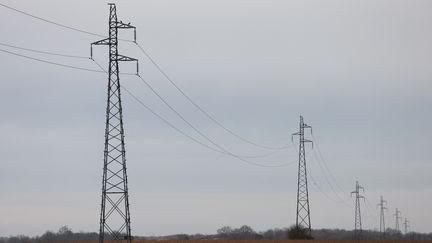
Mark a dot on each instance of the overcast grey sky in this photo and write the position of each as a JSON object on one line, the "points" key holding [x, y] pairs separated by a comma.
{"points": [[358, 71]]}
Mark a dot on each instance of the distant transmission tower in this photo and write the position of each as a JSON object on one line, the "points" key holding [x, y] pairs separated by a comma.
{"points": [[357, 223], [382, 207], [115, 216], [303, 212], [406, 225], [397, 218]]}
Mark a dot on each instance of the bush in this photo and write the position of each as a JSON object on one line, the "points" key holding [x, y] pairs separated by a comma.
{"points": [[298, 232]]}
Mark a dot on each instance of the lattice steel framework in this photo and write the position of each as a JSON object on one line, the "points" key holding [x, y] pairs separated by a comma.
{"points": [[382, 206], [406, 225], [303, 210], [397, 219], [115, 215], [357, 220]]}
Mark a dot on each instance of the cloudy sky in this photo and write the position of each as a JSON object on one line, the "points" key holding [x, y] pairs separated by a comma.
{"points": [[358, 71]]}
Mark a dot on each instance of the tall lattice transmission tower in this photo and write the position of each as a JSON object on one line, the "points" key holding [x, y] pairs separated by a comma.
{"points": [[357, 220], [382, 206], [303, 210], [397, 215], [115, 215]]}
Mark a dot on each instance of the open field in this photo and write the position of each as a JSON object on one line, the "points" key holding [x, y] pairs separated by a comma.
{"points": [[282, 241], [266, 241]]}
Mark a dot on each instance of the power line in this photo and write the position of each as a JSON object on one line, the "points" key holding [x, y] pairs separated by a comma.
{"points": [[159, 116], [140, 102], [321, 157], [220, 150], [56, 23], [57, 63], [371, 213], [52, 63], [103, 71], [202, 109], [43, 52], [158, 67], [85, 69], [369, 205], [316, 184], [326, 177], [49, 21], [320, 161]]}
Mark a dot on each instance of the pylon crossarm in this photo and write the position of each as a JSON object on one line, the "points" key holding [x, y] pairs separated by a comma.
{"points": [[125, 58], [121, 25], [102, 42]]}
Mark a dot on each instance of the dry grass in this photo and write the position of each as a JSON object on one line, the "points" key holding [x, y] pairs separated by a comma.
{"points": [[264, 241], [282, 241]]}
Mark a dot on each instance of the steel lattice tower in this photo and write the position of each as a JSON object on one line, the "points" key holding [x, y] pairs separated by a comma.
{"points": [[397, 218], [406, 225], [382, 208], [115, 215], [303, 211], [357, 220]]}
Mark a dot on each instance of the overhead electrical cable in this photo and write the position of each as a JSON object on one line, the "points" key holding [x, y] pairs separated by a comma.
{"points": [[326, 177], [316, 184], [216, 150], [197, 141], [326, 171], [43, 52], [85, 69], [369, 208], [52, 63], [159, 116], [164, 120], [160, 70], [51, 22], [220, 148], [158, 67], [55, 23], [57, 63], [321, 157]]}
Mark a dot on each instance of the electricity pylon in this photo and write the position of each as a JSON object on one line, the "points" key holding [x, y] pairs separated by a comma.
{"points": [[115, 215], [397, 218], [382, 207], [357, 220], [303, 211], [406, 225]]}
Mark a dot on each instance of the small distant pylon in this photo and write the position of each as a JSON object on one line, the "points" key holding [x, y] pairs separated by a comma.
{"points": [[303, 210], [406, 225], [397, 219], [357, 220], [382, 206]]}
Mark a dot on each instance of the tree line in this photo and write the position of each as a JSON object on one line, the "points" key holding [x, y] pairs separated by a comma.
{"points": [[65, 234]]}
